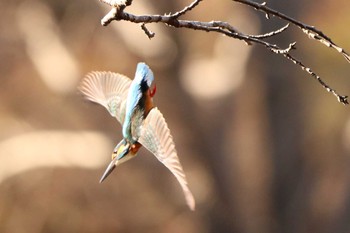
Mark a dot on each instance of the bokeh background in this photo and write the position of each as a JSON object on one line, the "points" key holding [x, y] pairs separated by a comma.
{"points": [[264, 147]]}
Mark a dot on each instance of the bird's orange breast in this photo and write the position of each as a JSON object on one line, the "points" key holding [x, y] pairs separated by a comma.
{"points": [[135, 148]]}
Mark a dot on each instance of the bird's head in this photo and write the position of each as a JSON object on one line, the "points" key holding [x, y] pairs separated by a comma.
{"points": [[121, 150], [121, 153]]}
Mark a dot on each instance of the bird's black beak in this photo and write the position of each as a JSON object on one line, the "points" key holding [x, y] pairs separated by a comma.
{"points": [[109, 169], [119, 153]]}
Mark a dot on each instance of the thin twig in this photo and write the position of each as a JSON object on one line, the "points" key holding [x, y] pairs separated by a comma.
{"points": [[271, 34], [149, 33], [172, 20], [341, 98], [186, 9], [309, 30]]}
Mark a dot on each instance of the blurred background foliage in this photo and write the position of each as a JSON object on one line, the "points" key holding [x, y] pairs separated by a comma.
{"points": [[264, 147]]}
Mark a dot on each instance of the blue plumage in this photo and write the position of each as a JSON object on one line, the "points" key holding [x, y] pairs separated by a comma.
{"points": [[131, 102], [134, 109]]}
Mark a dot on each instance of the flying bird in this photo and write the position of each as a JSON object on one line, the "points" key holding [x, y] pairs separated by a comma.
{"points": [[131, 103]]}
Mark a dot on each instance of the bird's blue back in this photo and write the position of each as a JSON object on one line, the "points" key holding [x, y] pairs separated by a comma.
{"points": [[142, 81]]}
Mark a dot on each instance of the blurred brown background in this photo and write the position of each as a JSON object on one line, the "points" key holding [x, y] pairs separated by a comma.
{"points": [[264, 147]]}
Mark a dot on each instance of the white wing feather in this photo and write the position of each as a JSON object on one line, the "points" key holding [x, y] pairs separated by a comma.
{"points": [[155, 136], [108, 89]]}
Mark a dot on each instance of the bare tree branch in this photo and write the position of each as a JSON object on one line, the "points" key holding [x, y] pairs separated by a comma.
{"points": [[117, 13], [309, 30], [186, 9], [149, 33], [271, 34]]}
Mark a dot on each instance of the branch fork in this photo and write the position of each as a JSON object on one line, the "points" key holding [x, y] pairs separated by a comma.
{"points": [[118, 13]]}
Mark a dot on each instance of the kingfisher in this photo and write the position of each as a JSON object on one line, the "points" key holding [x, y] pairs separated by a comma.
{"points": [[131, 103]]}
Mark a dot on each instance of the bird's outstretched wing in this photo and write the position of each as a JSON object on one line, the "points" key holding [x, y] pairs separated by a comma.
{"points": [[155, 136], [108, 89]]}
